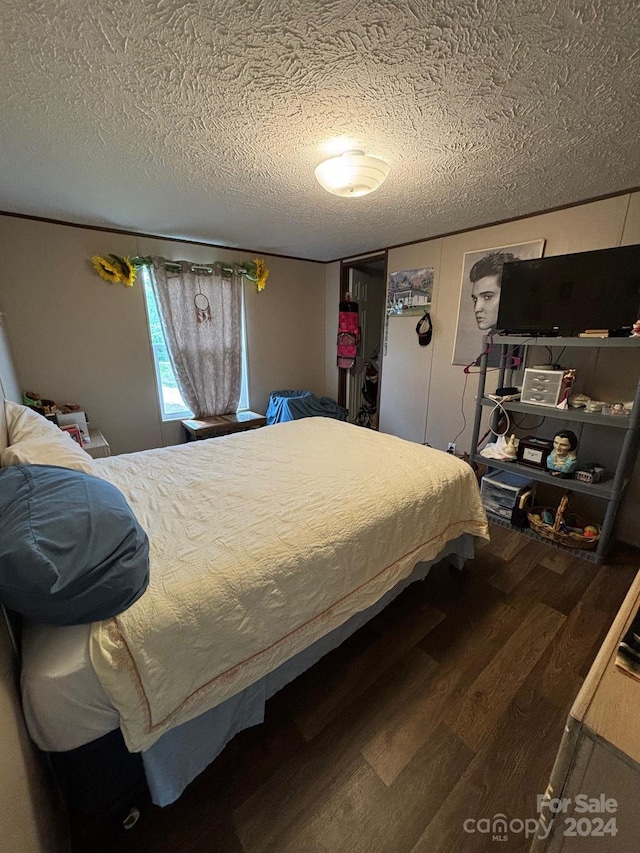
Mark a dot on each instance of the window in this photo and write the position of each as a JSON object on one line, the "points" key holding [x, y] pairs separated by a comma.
{"points": [[172, 406]]}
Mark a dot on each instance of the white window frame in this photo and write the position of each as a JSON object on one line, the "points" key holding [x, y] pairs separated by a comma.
{"points": [[178, 415]]}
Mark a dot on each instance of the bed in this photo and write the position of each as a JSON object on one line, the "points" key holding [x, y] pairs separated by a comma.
{"points": [[267, 550]]}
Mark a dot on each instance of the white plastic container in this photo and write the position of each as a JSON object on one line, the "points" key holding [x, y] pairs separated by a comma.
{"points": [[542, 387]]}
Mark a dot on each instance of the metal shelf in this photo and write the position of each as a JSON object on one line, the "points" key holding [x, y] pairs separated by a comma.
{"points": [[596, 490], [578, 415], [611, 490], [519, 340]]}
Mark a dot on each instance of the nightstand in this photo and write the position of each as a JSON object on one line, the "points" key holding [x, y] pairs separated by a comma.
{"points": [[98, 446], [199, 428]]}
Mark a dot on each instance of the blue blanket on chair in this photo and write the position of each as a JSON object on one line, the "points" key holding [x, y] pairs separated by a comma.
{"points": [[291, 405]]}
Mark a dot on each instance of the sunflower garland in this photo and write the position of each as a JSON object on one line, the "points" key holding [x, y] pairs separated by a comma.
{"points": [[261, 273], [105, 269], [115, 269], [257, 272], [128, 274]]}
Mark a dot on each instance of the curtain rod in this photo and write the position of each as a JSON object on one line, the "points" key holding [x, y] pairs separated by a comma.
{"points": [[227, 270], [113, 268]]}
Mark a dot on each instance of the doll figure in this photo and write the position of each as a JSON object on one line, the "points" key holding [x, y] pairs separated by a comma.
{"points": [[568, 378], [636, 330], [563, 460]]}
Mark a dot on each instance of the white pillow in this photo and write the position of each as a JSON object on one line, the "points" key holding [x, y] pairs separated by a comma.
{"points": [[56, 448], [23, 423]]}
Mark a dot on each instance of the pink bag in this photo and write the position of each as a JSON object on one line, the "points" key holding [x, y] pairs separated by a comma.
{"points": [[348, 334]]}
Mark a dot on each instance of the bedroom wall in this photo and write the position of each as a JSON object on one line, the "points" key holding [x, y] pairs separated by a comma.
{"points": [[405, 387], [421, 391], [76, 337], [591, 226]]}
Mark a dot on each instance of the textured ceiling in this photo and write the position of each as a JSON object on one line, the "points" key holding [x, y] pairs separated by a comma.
{"points": [[205, 120]]}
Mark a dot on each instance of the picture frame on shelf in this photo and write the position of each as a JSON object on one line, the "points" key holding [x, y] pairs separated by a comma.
{"points": [[78, 418], [74, 431]]}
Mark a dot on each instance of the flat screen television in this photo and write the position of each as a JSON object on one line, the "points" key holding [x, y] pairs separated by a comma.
{"points": [[568, 294]]}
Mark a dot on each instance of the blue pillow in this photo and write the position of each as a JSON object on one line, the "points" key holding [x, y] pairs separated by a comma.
{"points": [[71, 549]]}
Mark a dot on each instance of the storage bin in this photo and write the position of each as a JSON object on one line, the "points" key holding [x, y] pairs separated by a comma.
{"points": [[506, 495]]}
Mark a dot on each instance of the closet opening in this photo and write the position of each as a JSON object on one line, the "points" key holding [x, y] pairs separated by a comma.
{"points": [[365, 282]]}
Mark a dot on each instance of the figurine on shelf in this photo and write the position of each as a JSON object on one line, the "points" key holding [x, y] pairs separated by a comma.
{"points": [[636, 330], [568, 378], [563, 460], [511, 449]]}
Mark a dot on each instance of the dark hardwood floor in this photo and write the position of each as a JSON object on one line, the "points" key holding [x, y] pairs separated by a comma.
{"points": [[449, 705]]}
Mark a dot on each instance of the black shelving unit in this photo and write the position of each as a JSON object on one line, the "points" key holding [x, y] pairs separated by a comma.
{"points": [[611, 491]]}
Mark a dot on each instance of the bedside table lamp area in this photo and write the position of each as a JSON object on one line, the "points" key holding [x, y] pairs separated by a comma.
{"points": [[95, 444], [93, 441], [70, 418], [97, 447]]}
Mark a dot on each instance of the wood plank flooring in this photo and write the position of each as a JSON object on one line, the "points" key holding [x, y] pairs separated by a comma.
{"points": [[449, 705]]}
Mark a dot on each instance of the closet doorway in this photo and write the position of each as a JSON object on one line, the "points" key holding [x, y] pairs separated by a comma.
{"points": [[365, 282]]}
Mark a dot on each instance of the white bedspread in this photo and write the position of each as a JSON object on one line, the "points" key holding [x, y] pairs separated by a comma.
{"points": [[261, 543]]}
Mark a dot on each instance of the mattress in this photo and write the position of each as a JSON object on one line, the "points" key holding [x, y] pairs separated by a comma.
{"points": [[63, 702]]}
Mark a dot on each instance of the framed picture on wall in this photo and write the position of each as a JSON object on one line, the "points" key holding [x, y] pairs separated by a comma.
{"points": [[480, 295], [409, 292]]}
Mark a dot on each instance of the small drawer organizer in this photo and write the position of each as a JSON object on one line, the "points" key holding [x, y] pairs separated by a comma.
{"points": [[542, 387]]}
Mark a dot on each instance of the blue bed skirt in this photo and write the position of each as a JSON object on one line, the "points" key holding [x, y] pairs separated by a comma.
{"points": [[183, 753]]}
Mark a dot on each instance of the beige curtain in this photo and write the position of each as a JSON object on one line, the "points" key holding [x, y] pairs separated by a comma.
{"points": [[201, 315]]}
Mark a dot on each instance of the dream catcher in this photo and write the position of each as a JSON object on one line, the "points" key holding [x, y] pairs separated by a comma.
{"points": [[203, 309]]}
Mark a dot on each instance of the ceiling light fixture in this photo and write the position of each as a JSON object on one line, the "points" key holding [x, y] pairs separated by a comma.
{"points": [[352, 174]]}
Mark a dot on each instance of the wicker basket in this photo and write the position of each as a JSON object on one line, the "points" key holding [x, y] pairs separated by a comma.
{"points": [[553, 532]]}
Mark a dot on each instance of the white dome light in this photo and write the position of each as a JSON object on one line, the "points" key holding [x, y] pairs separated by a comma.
{"points": [[352, 174]]}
